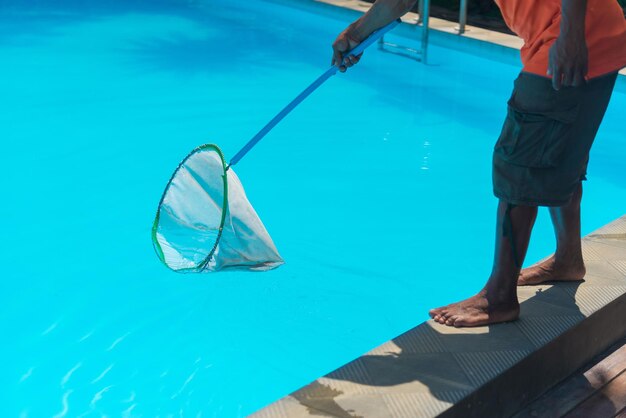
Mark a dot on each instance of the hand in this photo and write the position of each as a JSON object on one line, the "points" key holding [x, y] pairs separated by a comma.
{"points": [[567, 61], [345, 42]]}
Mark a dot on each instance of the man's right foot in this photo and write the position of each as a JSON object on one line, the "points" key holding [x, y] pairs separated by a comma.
{"points": [[551, 270]]}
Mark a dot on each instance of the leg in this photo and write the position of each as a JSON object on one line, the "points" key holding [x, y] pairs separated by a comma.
{"points": [[567, 263], [497, 301]]}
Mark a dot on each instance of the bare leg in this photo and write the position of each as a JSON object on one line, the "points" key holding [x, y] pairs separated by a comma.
{"points": [[567, 262], [497, 301]]}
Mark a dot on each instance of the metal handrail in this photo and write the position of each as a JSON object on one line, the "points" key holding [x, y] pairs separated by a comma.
{"points": [[462, 17], [423, 20], [420, 11]]}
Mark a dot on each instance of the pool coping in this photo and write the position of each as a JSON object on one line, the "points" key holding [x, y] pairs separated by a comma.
{"points": [[436, 370]]}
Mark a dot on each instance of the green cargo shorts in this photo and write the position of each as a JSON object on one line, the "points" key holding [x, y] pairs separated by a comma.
{"points": [[542, 153]]}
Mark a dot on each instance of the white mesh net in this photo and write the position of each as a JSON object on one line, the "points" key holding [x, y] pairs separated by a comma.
{"points": [[186, 232]]}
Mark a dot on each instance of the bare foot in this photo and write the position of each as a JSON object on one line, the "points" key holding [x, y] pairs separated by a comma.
{"points": [[476, 311], [551, 270]]}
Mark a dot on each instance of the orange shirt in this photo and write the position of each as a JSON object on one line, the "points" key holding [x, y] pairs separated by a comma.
{"points": [[537, 23]]}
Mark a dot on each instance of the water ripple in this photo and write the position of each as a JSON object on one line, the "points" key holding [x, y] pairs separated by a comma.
{"points": [[98, 396], [84, 337], [65, 403], [50, 328], [189, 379], [69, 373], [104, 373], [131, 398], [27, 374], [128, 411], [119, 340]]}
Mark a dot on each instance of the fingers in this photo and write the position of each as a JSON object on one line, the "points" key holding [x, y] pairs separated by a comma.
{"points": [[340, 47], [350, 60], [579, 79], [567, 62], [568, 78], [571, 78]]}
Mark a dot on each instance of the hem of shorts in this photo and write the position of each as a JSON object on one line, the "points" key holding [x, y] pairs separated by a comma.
{"points": [[530, 71], [531, 202]]}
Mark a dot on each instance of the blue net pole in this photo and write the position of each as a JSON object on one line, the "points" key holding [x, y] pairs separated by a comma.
{"points": [[310, 89]]}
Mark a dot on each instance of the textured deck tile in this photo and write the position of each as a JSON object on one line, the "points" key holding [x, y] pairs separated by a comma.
{"points": [[607, 248], [483, 366], [498, 337], [417, 405], [592, 298], [541, 330], [548, 300]]}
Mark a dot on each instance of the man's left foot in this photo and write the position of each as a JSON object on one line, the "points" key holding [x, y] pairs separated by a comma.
{"points": [[552, 269], [476, 311]]}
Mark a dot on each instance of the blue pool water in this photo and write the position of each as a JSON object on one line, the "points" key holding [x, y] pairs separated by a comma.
{"points": [[376, 191]]}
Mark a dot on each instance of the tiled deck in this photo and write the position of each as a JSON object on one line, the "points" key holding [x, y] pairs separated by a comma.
{"points": [[435, 370]]}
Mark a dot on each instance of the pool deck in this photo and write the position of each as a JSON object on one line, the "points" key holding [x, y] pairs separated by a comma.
{"points": [[436, 370]]}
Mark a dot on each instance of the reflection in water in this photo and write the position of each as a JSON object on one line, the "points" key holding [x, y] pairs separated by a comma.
{"points": [[426, 155]]}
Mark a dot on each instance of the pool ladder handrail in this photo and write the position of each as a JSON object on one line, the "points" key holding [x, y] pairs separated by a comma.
{"points": [[462, 15], [416, 54]]}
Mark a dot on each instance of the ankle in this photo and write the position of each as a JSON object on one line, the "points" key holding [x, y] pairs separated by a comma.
{"points": [[569, 258], [497, 295]]}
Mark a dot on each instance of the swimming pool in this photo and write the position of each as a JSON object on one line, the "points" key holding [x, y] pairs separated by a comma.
{"points": [[376, 191]]}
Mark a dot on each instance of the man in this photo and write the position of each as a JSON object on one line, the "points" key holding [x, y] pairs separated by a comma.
{"points": [[572, 52]]}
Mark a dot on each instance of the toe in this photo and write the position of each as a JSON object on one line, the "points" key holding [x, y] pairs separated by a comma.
{"points": [[450, 321], [521, 280], [436, 311], [460, 322], [433, 312]]}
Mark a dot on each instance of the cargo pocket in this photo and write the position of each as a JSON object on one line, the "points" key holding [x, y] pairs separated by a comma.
{"points": [[537, 138]]}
